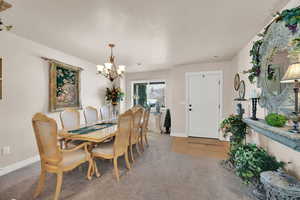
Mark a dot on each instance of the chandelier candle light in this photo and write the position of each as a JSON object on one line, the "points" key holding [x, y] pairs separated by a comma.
{"points": [[109, 69]]}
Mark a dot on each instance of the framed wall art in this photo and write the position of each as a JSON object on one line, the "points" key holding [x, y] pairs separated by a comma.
{"points": [[64, 86]]}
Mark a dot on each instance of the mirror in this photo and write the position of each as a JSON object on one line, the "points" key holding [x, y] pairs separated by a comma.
{"points": [[276, 68]]}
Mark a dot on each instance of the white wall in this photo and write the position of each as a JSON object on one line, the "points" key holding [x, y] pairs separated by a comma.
{"points": [[25, 92], [176, 94]]}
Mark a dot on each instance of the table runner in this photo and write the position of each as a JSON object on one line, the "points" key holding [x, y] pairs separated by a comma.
{"points": [[92, 128]]}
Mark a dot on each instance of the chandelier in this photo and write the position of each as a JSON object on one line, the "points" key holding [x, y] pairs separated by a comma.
{"points": [[109, 69], [3, 6]]}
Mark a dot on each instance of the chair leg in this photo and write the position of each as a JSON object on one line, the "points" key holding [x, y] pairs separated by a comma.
{"points": [[41, 184], [90, 169], [96, 169], [58, 185], [142, 143], [116, 168], [146, 140], [138, 149], [131, 153], [127, 160]]}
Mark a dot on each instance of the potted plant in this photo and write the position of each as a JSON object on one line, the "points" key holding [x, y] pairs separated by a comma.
{"points": [[114, 95]]}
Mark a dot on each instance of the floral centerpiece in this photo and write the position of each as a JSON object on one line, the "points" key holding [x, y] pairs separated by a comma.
{"points": [[114, 95]]}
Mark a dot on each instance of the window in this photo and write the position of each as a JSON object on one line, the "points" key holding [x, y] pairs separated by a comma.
{"points": [[149, 93]]}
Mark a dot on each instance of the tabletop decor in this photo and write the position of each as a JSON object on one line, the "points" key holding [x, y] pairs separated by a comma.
{"points": [[109, 70], [64, 86], [292, 75], [277, 120], [114, 95], [242, 89], [254, 97], [237, 81]]}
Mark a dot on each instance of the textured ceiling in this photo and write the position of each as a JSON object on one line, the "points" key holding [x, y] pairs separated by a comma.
{"points": [[157, 33]]}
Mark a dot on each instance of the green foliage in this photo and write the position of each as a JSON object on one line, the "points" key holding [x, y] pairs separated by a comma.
{"points": [[291, 17], [114, 95], [234, 125], [238, 129], [277, 120], [250, 160], [255, 60]]}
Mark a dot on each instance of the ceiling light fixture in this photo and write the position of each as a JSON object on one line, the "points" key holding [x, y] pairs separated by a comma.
{"points": [[109, 70], [3, 6]]}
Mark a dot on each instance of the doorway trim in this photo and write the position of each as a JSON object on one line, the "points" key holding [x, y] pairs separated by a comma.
{"points": [[187, 74]]}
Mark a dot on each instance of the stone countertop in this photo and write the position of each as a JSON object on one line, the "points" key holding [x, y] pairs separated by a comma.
{"points": [[281, 135]]}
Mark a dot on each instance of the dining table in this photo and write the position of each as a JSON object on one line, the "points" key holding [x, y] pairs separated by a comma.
{"points": [[95, 133]]}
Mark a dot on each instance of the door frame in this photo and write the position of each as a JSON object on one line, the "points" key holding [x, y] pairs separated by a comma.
{"points": [[187, 75]]}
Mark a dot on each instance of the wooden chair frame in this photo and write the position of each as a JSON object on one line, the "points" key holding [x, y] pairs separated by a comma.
{"points": [[70, 110], [120, 148], [92, 108], [144, 129], [52, 164], [135, 136]]}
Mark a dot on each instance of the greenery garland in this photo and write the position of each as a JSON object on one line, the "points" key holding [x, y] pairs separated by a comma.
{"points": [[291, 17]]}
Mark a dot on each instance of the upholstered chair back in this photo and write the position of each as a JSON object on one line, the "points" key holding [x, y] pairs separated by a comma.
{"points": [[136, 107], [45, 130], [105, 113], [70, 119], [125, 123], [136, 131], [91, 115], [145, 120]]}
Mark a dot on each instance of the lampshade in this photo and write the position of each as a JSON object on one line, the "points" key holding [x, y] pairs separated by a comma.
{"points": [[100, 68], [108, 65], [122, 68], [292, 74]]}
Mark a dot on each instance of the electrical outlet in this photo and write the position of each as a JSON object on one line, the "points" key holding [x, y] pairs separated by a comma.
{"points": [[6, 150]]}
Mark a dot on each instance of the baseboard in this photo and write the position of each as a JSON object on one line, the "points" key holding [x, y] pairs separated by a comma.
{"points": [[18, 165], [177, 134]]}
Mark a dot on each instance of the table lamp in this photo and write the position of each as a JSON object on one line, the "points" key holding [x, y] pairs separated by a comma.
{"points": [[292, 75]]}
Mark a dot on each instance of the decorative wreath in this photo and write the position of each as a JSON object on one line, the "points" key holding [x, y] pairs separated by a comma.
{"points": [[291, 18]]}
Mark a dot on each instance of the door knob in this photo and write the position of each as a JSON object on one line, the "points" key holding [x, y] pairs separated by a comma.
{"points": [[190, 109]]}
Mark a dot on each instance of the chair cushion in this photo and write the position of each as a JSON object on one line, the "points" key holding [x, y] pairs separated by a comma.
{"points": [[73, 157], [104, 149]]}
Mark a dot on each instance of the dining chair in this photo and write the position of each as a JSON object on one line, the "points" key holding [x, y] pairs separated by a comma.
{"points": [[136, 132], [53, 158], [91, 115], [70, 119], [144, 131], [119, 147], [136, 107], [105, 113]]}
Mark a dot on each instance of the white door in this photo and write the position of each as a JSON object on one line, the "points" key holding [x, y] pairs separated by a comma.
{"points": [[203, 104]]}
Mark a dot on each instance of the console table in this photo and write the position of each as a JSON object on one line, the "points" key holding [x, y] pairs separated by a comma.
{"points": [[281, 135]]}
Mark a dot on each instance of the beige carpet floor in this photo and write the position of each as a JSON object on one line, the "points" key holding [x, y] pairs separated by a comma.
{"points": [[159, 174]]}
